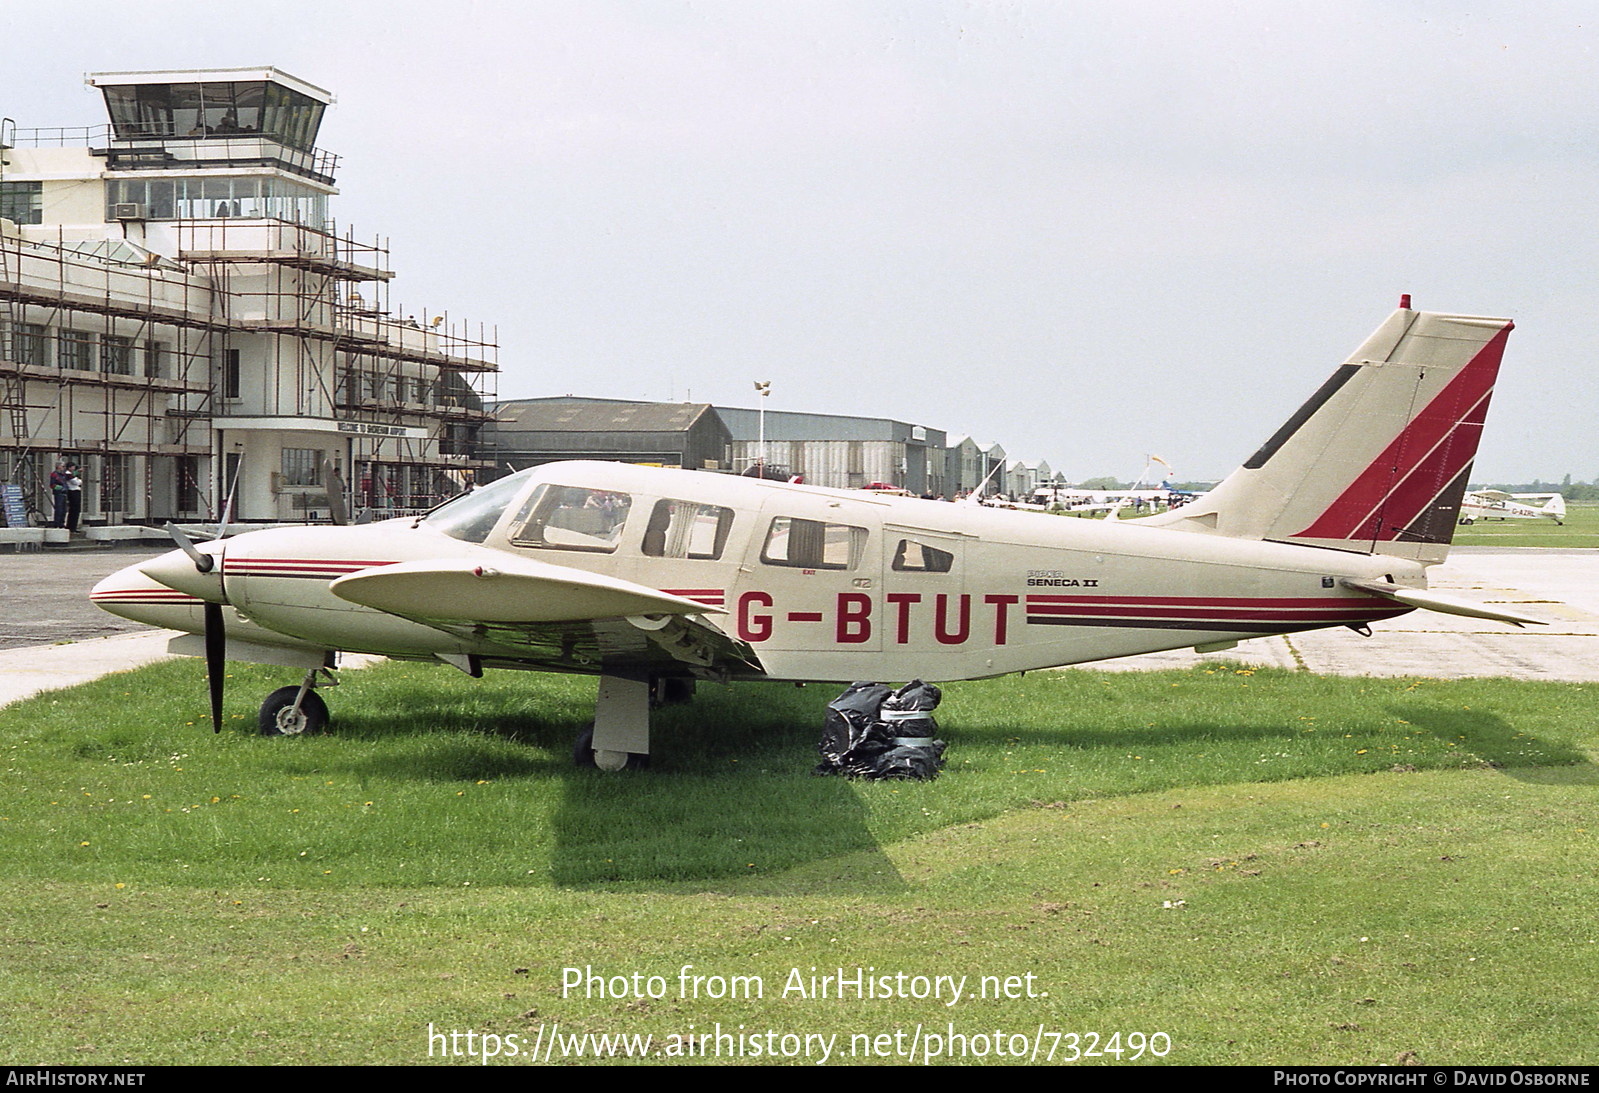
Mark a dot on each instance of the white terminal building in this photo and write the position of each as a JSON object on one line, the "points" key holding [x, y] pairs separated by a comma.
{"points": [[180, 316]]}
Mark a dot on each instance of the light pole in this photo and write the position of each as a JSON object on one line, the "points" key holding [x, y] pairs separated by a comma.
{"points": [[764, 389]]}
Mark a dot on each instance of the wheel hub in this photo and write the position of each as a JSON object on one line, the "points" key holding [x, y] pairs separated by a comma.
{"points": [[291, 722]]}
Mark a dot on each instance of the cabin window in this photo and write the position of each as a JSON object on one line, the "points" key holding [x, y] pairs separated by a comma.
{"points": [[812, 544], [913, 557], [687, 529], [471, 516], [572, 518]]}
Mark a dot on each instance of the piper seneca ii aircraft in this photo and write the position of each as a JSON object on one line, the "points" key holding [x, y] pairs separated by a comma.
{"points": [[652, 579]]}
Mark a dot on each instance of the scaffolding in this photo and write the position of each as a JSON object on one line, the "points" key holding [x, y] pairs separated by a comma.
{"points": [[410, 394], [122, 360], [137, 355], [103, 362]]}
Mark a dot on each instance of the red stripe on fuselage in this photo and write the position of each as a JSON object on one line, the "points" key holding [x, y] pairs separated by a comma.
{"points": [[1209, 601], [320, 568], [1235, 615]]}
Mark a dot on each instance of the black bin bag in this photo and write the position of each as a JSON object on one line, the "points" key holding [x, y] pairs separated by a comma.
{"points": [[874, 732]]}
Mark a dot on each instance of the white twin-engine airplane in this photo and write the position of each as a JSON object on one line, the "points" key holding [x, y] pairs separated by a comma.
{"points": [[652, 579]]}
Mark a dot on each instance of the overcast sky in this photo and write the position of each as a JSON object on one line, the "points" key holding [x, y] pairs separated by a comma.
{"points": [[1090, 231]]}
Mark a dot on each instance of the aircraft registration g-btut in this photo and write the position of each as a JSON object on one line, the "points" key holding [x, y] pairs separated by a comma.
{"points": [[652, 579]]}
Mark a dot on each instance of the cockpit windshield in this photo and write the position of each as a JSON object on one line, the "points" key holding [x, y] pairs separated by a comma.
{"points": [[472, 516]]}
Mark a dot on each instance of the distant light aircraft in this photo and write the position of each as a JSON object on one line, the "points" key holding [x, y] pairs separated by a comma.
{"points": [[1499, 505], [653, 579]]}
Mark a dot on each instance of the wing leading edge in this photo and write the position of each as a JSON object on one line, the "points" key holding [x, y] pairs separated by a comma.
{"points": [[551, 616]]}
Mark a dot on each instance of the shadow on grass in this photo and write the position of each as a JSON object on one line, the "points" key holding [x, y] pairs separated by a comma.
{"points": [[1501, 745], [728, 794]]}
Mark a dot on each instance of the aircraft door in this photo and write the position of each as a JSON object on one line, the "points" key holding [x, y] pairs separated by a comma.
{"points": [[926, 607], [811, 579]]}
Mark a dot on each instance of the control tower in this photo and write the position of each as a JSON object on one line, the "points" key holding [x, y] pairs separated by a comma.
{"points": [[181, 316]]}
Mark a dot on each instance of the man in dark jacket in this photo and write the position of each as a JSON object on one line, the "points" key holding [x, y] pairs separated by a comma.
{"points": [[58, 495]]}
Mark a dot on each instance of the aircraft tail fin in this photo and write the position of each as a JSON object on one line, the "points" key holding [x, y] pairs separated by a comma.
{"points": [[1377, 460], [1552, 505]]}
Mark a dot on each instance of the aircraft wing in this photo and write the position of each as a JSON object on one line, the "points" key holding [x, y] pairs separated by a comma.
{"points": [[551, 616], [512, 590]]}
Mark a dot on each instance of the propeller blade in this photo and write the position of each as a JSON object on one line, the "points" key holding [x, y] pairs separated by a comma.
{"points": [[216, 644], [202, 562]]}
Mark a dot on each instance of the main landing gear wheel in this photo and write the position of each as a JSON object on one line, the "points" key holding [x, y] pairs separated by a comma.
{"points": [[584, 755], [280, 718]]}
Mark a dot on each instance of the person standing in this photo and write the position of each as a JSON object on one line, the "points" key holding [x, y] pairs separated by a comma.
{"points": [[74, 497], [58, 495]]}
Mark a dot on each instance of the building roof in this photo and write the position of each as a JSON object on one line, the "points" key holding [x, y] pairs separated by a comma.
{"points": [[261, 74], [784, 425], [582, 415]]}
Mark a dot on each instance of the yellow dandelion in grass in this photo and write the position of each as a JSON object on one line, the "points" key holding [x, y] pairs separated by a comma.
{"points": [[1360, 751], [216, 800], [120, 885], [83, 844]]}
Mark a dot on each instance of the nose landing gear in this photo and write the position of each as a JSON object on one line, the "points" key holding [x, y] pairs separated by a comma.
{"points": [[297, 711]]}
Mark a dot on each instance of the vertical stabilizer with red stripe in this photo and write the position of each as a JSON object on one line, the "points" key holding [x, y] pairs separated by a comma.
{"points": [[1377, 460]]}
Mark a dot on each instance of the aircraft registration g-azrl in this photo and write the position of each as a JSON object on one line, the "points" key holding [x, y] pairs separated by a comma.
{"points": [[652, 579], [1499, 505]]}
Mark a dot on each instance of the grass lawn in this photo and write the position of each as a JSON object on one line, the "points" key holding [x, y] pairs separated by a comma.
{"points": [[1219, 865]]}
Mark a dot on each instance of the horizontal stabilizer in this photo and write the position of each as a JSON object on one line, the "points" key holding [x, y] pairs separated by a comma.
{"points": [[507, 590], [1432, 601]]}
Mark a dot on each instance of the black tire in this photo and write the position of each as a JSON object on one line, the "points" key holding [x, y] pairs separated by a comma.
{"points": [[671, 691], [277, 718], [583, 748]]}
